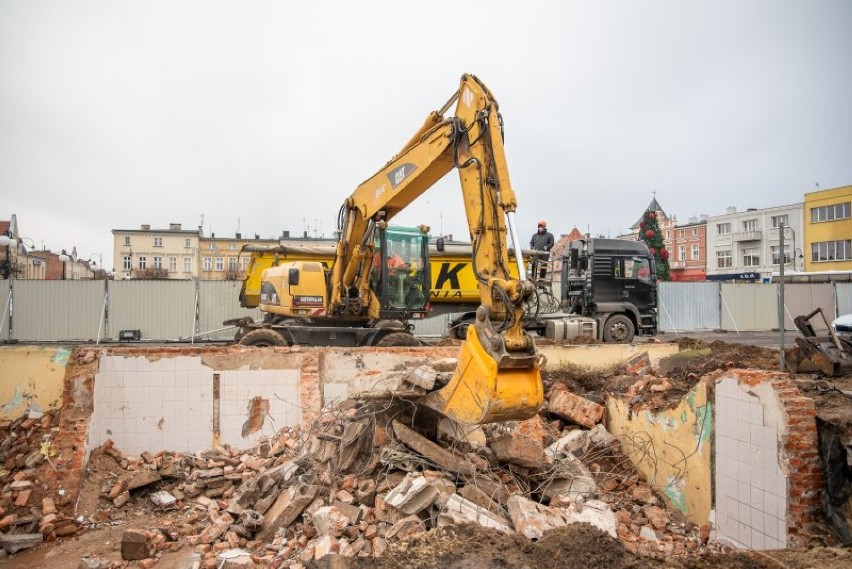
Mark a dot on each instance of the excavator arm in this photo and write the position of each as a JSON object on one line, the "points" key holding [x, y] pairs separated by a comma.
{"points": [[498, 375]]}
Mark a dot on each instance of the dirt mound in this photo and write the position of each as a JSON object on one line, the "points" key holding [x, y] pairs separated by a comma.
{"points": [[473, 547], [699, 358]]}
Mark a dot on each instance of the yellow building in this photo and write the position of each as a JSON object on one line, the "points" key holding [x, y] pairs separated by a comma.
{"points": [[828, 230]]}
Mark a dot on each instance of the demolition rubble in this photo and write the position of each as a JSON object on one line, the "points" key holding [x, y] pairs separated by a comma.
{"points": [[372, 471]]}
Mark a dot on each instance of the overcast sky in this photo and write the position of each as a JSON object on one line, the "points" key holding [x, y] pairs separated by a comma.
{"points": [[264, 116]]}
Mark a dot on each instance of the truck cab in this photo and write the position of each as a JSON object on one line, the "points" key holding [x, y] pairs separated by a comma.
{"points": [[613, 281]]}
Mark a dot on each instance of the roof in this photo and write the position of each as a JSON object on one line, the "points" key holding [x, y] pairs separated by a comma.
{"points": [[653, 206]]}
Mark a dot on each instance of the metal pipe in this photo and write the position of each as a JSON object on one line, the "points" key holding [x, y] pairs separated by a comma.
{"points": [[782, 259], [516, 243]]}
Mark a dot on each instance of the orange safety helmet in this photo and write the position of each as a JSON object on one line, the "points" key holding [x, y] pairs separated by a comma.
{"points": [[542, 223]]}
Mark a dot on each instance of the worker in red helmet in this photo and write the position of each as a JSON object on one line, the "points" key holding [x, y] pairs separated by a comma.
{"points": [[542, 240]]}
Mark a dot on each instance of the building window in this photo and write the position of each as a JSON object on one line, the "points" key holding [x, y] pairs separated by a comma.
{"points": [[751, 256], [831, 212], [682, 253], [143, 261], [187, 242], [245, 262], [187, 264], [695, 253], [127, 240], [125, 262], [668, 234], [832, 251], [232, 264], [777, 220], [173, 264], [158, 241], [723, 228], [212, 246], [750, 225], [232, 246], [220, 263], [695, 232], [208, 264], [724, 259], [158, 263], [774, 250]]}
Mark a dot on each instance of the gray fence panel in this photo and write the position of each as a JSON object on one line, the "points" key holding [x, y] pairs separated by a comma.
{"points": [[435, 326], [687, 307], [162, 310], [4, 310], [749, 307], [219, 301], [843, 292], [57, 310], [802, 299]]}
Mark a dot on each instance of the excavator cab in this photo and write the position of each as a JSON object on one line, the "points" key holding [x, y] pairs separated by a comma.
{"points": [[400, 272]]}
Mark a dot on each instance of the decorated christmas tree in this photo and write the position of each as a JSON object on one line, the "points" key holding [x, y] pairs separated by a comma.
{"points": [[650, 234]]}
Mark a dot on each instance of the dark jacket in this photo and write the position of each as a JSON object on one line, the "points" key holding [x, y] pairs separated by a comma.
{"points": [[541, 241]]}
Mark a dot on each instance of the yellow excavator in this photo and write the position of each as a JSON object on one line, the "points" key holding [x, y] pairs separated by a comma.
{"points": [[380, 273]]}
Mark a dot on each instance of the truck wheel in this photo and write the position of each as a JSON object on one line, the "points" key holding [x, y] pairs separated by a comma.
{"points": [[263, 337], [618, 329], [398, 339]]}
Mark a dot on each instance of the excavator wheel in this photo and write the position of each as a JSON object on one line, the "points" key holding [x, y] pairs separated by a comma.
{"points": [[397, 339], [263, 337], [619, 329]]}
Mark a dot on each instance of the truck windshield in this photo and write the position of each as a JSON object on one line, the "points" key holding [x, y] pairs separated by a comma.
{"points": [[638, 268]]}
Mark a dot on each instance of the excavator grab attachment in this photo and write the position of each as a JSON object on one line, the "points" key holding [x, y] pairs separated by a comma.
{"points": [[489, 383]]}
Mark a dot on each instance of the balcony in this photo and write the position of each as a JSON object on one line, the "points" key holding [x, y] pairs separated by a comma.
{"points": [[754, 235], [677, 264]]}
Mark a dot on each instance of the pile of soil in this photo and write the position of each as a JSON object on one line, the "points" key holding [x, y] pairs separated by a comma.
{"points": [[698, 357], [474, 547]]}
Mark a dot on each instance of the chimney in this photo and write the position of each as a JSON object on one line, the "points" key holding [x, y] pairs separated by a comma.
{"points": [[693, 219], [146, 227], [286, 235], [239, 235], [704, 217], [174, 226], [256, 236], [731, 209]]}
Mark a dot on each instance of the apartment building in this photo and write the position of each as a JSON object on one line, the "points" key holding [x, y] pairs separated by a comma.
{"points": [[745, 245], [688, 251], [148, 253], [828, 230], [220, 257]]}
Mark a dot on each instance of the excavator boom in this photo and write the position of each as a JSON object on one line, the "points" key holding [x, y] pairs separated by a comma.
{"points": [[498, 376]]}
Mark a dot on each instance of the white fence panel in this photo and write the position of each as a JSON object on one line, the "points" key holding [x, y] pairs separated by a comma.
{"points": [[219, 301], [843, 292], [802, 299], [688, 306], [57, 310], [435, 326], [749, 307], [4, 311], [162, 310]]}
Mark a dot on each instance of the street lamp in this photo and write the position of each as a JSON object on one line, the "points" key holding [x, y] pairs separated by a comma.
{"points": [[9, 242], [64, 258]]}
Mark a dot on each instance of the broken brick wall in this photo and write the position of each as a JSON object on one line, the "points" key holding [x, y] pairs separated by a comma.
{"points": [[768, 474], [31, 377], [671, 448]]}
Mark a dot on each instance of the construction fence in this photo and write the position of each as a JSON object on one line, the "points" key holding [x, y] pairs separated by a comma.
{"points": [[194, 310]]}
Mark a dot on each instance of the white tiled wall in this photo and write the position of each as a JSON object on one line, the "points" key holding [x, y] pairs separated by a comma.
{"points": [[751, 489], [279, 387], [167, 404]]}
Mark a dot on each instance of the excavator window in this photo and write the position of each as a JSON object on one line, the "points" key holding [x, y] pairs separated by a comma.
{"points": [[400, 271]]}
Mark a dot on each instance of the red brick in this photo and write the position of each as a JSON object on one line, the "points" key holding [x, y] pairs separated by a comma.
{"points": [[575, 408]]}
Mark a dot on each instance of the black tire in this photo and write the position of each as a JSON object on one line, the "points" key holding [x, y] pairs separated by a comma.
{"points": [[397, 339], [263, 337], [460, 326], [619, 329]]}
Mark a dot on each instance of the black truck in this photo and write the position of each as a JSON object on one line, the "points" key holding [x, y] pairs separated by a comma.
{"points": [[607, 290]]}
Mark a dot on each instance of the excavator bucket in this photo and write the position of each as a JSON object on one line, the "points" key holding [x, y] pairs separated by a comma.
{"points": [[482, 392]]}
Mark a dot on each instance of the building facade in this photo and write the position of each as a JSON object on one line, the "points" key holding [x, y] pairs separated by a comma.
{"points": [[688, 251], [746, 245], [828, 230], [221, 259], [148, 253]]}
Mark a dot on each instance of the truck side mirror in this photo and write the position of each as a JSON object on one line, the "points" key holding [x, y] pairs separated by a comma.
{"points": [[439, 244], [293, 276]]}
